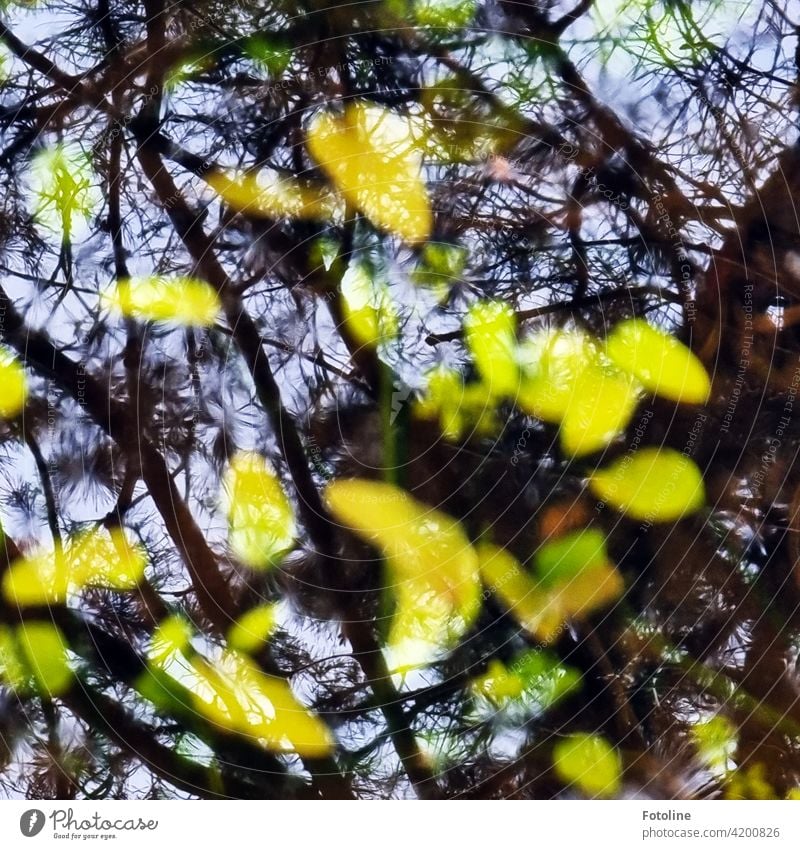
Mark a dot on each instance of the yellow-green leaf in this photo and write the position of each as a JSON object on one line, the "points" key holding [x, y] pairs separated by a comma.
{"points": [[531, 683], [252, 629], [13, 671], [659, 361], [444, 14], [63, 190], [231, 691], [260, 517], [45, 651], [186, 70], [183, 300], [552, 361], [432, 568], [267, 194], [654, 485], [13, 386], [590, 763], [372, 156], [490, 328], [599, 409], [716, 741]]}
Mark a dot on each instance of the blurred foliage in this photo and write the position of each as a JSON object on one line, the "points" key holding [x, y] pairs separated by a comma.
{"points": [[399, 399]]}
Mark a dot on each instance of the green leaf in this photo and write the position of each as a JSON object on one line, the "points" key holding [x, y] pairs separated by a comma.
{"points": [[372, 156], [271, 54], [590, 763], [654, 485], [182, 300], [562, 558], [441, 266], [660, 362], [490, 328], [261, 520], [444, 14], [432, 569], [187, 70]]}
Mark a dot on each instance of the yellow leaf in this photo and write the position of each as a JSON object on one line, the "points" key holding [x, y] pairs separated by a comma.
{"points": [[654, 485], [432, 568], [527, 602], [372, 156], [103, 558], [490, 328], [237, 696], [659, 361], [498, 684], [37, 580], [182, 300], [96, 558], [573, 579], [590, 763], [13, 386], [269, 195], [460, 407], [171, 637], [599, 409], [260, 518], [552, 361], [252, 629]]}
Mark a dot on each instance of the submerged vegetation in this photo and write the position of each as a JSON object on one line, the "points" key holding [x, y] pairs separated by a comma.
{"points": [[399, 399]]}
